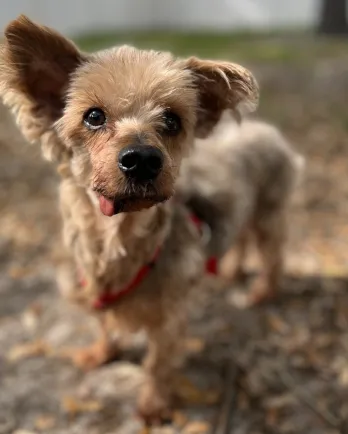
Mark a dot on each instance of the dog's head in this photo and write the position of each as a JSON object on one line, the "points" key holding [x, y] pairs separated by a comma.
{"points": [[126, 117]]}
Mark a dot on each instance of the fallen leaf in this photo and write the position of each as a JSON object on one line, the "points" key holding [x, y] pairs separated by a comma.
{"points": [[179, 419], [324, 340], [23, 431], [145, 430], [162, 430], [197, 427], [189, 393], [272, 417], [280, 401], [31, 349], [74, 406], [343, 377], [277, 324], [19, 272], [334, 270], [194, 345], [31, 316], [45, 422]]}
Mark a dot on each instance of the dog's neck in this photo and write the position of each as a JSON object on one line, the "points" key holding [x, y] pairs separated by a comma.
{"points": [[139, 224], [122, 232], [110, 250]]}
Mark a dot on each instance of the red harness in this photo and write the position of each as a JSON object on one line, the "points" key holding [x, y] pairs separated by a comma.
{"points": [[109, 298], [211, 266]]}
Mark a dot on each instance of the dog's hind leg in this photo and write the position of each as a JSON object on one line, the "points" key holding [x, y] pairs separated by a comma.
{"points": [[231, 267], [270, 234]]}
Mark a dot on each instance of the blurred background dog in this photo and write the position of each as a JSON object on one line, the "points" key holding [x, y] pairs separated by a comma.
{"points": [[239, 181]]}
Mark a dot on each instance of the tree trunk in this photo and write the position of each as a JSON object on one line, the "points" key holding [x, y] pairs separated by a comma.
{"points": [[333, 19]]}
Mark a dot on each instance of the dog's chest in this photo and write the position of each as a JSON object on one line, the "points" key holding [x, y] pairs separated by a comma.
{"points": [[128, 241]]}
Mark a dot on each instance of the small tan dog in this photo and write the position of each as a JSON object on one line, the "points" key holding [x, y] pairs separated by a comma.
{"points": [[239, 180], [118, 124]]}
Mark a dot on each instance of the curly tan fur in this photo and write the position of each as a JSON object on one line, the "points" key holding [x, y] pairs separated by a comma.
{"points": [[240, 181], [49, 85]]}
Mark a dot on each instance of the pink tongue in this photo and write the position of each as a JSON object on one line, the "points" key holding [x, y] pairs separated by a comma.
{"points": [[106, 206]]}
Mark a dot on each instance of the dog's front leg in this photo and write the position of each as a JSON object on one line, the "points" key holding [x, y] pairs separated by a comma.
{"points": [[161, 362], [102, 350]]}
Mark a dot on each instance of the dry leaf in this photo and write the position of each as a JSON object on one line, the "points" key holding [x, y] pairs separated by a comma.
{"points": [[18, 272], [45, 422], [162, 430], [334, 270], [179, 419], [145, 430], [197, 427], [272, 417], [189, 393], [324, 340], [280, 401], [194, 345], [277, 324], [23, 431], [343, 377], [31, 349], [74, 406], [31, 316]]}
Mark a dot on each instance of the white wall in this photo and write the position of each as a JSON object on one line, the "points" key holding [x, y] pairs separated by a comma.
{"points": [[76, 16], [238, 14], [79, 16]]}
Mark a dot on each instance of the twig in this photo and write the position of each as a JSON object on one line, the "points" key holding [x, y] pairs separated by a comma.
{"points": [[224, 419], [324, 414]]}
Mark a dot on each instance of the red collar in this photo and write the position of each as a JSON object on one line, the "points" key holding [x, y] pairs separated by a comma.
{"points": [[211, 265], [109, 297]]}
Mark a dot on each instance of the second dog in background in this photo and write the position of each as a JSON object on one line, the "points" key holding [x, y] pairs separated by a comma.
{"points": [[239, 181]]}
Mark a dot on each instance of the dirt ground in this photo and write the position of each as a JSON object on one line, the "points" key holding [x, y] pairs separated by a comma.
{"points": [[280, 368]]}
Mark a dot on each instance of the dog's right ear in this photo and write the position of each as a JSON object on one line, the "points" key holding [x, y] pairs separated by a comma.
{"points": [[221, 86], [35, 66]]}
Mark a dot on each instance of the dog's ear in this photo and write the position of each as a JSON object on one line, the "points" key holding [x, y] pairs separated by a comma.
{"points": [[221, 86], [35, 65]]}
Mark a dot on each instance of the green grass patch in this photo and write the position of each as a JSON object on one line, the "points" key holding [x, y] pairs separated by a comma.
{"points": [[278, 47]]}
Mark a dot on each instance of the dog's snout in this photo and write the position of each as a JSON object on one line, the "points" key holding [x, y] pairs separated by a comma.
{"points": [[141, 162]]}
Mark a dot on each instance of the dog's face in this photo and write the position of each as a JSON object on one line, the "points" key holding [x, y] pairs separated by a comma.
{"points": [[127, 117]]}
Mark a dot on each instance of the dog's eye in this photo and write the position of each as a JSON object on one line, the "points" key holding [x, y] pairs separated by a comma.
{"points": [[94, 118], [172, 123]]}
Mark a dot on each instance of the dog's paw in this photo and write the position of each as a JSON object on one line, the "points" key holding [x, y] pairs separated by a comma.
{"points": [[89, 358], [261, 291], [154, 407]]}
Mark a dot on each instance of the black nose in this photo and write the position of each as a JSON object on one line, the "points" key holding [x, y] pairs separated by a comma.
{"points": [[141, 162]]}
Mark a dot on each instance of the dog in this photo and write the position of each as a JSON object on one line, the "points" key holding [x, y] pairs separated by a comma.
{"points": [[239, 181], [118, 124]]}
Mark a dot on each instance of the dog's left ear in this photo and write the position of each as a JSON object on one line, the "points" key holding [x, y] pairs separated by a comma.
{"points": [[221, 86]]}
